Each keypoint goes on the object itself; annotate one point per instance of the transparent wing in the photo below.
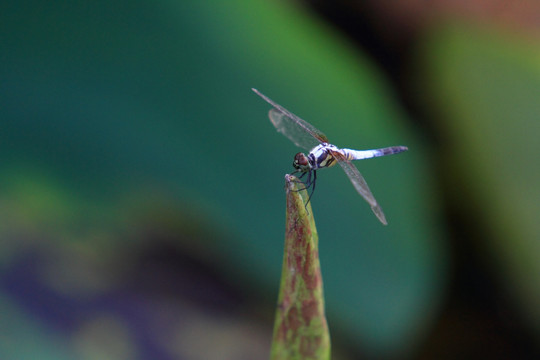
(292, 129)
(299, 131)
(360, 185)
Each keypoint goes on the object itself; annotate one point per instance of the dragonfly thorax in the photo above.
(318, 157)
(321, 157)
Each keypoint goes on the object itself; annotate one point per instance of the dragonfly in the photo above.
(322, 154)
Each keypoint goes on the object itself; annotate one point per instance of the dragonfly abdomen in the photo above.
(351, 154)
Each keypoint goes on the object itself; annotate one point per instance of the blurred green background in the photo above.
(141, 183)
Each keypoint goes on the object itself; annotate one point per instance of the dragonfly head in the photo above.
(301, 162)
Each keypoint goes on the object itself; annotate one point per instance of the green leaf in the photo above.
(300, 329)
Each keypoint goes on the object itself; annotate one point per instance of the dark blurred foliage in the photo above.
(141, 183)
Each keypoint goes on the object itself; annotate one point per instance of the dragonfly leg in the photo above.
(309, 183)
(306, 184)
(312, 185)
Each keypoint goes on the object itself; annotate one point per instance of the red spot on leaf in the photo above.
(309, 345)
(293, 320)
(310, 310)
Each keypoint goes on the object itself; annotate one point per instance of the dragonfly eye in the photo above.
(301, 162)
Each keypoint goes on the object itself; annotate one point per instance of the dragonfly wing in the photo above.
(293, 130)
(299, 131)
(360, 185)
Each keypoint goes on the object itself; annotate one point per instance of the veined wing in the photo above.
(360, 185)
(299, 131)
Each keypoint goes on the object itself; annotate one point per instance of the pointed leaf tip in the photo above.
(300, 329)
